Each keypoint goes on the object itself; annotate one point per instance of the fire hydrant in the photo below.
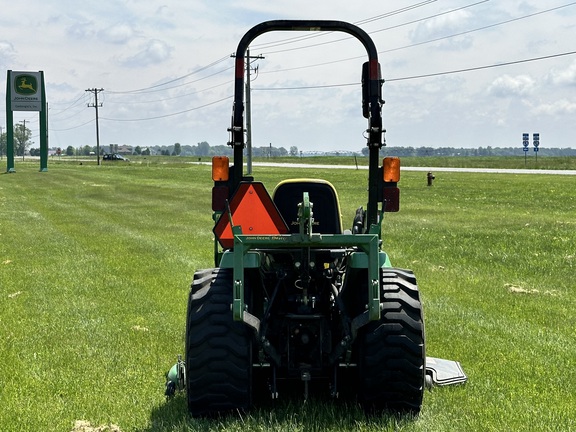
(430, 177)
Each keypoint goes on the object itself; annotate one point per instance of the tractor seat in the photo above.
(326, 210)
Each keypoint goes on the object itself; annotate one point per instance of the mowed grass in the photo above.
(95, 264)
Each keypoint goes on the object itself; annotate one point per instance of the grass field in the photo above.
(95, 264)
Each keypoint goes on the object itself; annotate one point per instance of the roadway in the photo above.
(423, 169)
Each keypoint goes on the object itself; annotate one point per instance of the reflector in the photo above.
(391, 169)
(391, 198)
(219, 197)
(254, 211)
(220, 168)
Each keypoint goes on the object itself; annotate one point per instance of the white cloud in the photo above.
(556, 108)
(442, 26)
(507, 86)
(117, 34)
(7, 54)
(80, 30)
(153, 52)
(565, 76)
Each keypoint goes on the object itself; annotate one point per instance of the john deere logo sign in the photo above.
(25, 84)
(26, 91)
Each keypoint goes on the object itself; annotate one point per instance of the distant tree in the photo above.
(2, 144)
(221, 150)
(69, 151)
(177, 149)
(293, 151)
(203, 149)
(424, 151)
(137, 150)
(21, 139)
(86, 150)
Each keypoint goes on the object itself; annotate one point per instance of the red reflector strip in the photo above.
(391, 199)
(374, 70)
(239, 68)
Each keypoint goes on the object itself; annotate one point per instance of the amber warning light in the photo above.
(390, 191)
(391, 169)
(220, 168)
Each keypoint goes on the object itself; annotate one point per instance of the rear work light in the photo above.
(220, 168)
(391, 169)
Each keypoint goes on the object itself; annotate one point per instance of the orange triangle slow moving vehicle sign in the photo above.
(252, 209)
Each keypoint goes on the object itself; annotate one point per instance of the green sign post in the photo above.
(25, 91)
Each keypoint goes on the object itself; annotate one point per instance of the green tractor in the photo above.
(296, 299)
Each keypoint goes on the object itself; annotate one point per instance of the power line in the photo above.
(383, 29)
(483, 67)
(228, 83)
(220, 60)
(424, 42)
(145, 89)
(162, 86)
(169, 115)
(296, 39)
(470, 69)
(311, 87)
(173, 87)
(71, 105)
(480, 28)
(74, 127)
(73, 115)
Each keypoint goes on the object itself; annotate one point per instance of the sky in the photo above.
(458, 73)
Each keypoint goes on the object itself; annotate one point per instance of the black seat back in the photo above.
(326, 210)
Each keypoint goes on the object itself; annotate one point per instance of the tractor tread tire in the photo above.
(218, 349)
(392, 350)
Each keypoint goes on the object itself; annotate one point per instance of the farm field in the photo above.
(96, 262)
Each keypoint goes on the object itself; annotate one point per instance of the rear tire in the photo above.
(391, 357)
(218, 349)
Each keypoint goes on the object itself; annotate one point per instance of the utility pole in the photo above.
(249, 110)
(95, 91)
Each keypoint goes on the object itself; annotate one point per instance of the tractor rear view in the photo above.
(296, 297)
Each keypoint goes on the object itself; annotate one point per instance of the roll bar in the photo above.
(371, 85)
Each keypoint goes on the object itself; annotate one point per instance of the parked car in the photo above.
(115, 156)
